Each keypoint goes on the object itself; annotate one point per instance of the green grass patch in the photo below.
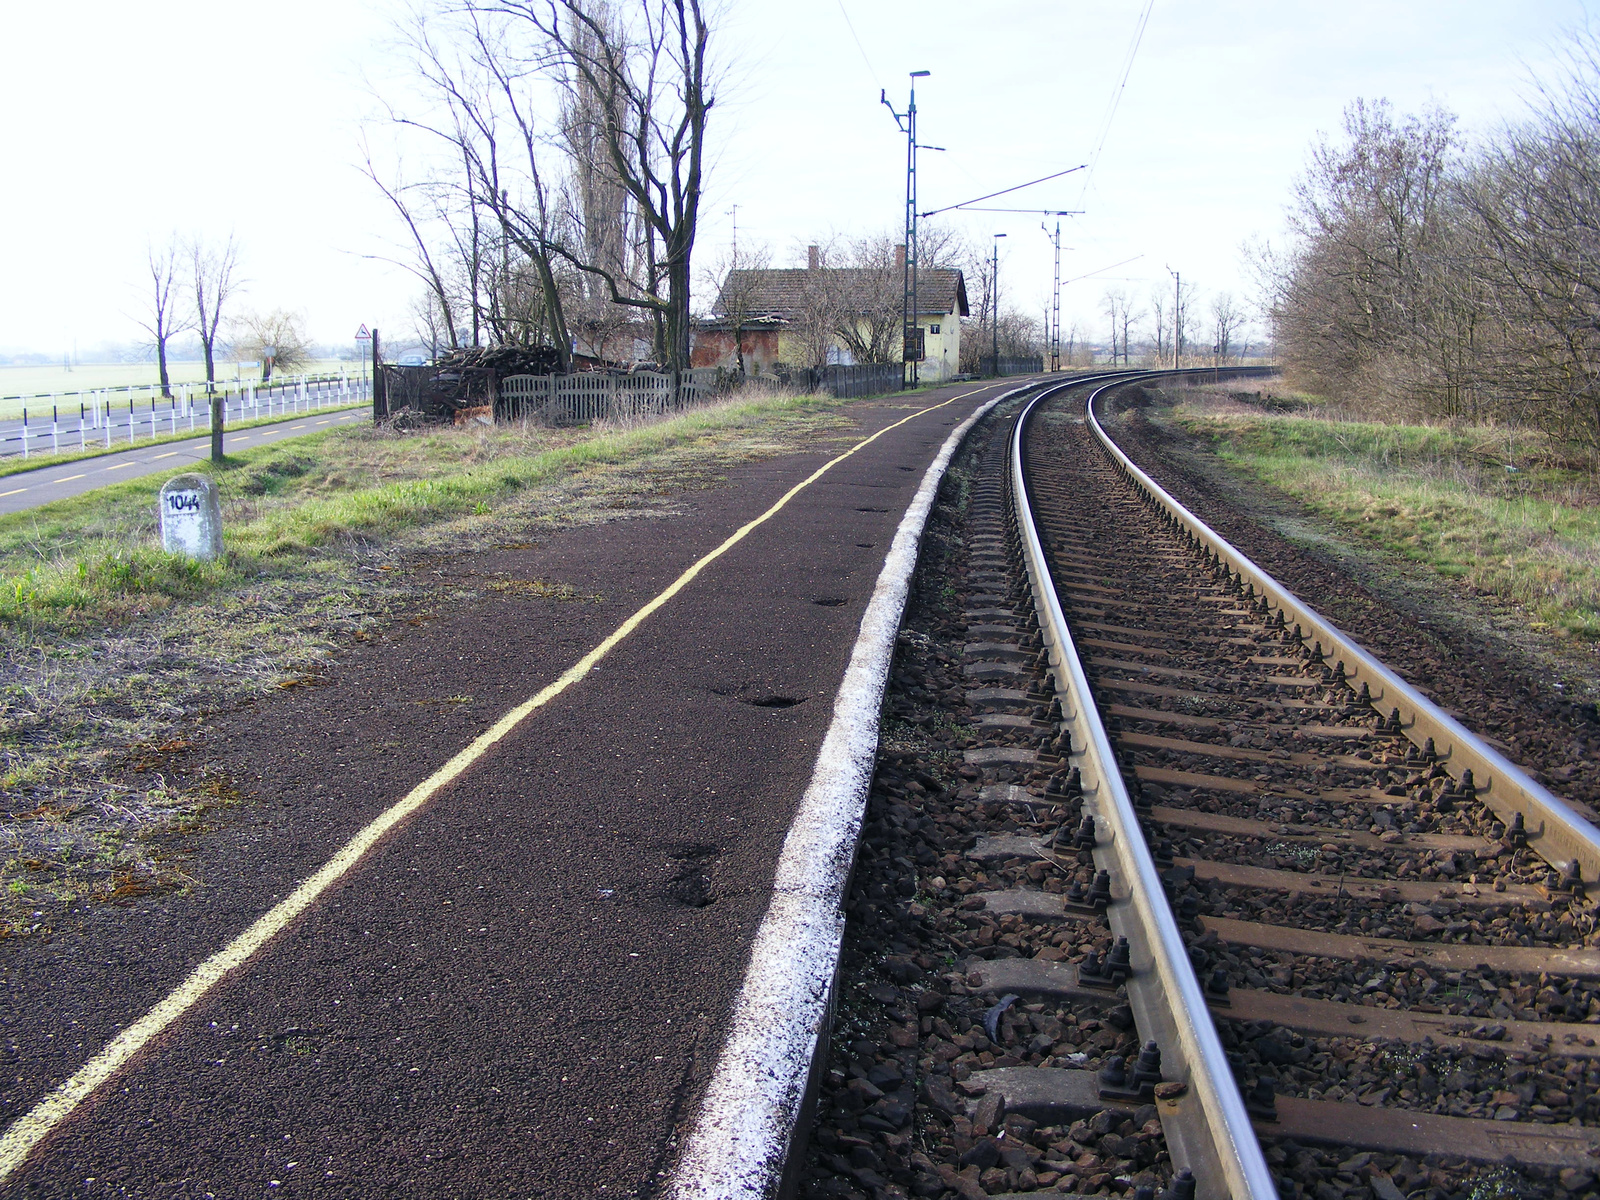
(94, 559)
(1507, 513)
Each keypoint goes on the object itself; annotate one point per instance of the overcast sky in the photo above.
(128, 122)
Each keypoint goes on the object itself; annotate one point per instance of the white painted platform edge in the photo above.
(738, 1144)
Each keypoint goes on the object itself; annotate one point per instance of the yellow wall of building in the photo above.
(942, 349)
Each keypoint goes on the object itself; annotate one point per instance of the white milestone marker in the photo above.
(191, 518)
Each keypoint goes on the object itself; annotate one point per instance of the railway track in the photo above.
(1167, 886)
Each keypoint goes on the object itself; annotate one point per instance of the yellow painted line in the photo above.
(329, 419)
(13, 491)
(119, 466)
(63, 479)
(241, 437)
(29, 1129)
(297, 427)
(168, 454)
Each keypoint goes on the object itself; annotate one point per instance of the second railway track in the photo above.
(1359, 956)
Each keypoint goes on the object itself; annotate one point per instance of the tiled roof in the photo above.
(781, 293)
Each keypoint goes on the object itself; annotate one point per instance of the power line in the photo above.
(851, 27)
(1004, 191)
(1116, 96)
(1097, 271)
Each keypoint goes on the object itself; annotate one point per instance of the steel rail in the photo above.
(1555, 830)
(744, 1141)
(1207, 1128)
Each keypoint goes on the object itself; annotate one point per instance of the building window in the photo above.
(933, 329)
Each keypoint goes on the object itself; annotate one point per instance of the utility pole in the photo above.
(1177, 316)
(994, 322)
(1055, 308)
(734, 212)
(910, 328)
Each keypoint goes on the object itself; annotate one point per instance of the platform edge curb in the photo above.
(738, 1143)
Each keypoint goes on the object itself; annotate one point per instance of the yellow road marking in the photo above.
(119, 466)
(63, 479)
(325, 422)
(29, 1129)
(241, 437)
(13, 491)
(168, 454)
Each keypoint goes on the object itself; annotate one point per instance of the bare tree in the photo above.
(276, 338)
(164, 315)
(872, 300)
(737, 278)
(1021, 334)
(605, 189)
(1114, 302)
(424, 260)
(1356, 300)
(602, 211)
(977, 334)
(492, 170)
(1130, 316)
(1535, 203)
(1160, 323)
(214, 271)
(1227, 318)
(821, 311)
(645, 79)
(429, 323)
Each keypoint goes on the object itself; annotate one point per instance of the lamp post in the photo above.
(994, 317)
(910, 329)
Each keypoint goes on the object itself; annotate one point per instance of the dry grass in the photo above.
(111, 651)
(1506, 512)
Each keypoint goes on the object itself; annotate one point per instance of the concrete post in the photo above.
(191, 517)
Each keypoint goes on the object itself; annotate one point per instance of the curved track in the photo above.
(1367, 897)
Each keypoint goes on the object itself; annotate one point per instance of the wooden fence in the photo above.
(599, 396)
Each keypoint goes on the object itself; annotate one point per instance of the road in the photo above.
(170, 415)
(29, 489)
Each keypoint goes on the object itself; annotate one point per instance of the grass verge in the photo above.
(1507, 513)
(111, 651)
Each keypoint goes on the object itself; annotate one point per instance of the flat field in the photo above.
(44, 381)
(1505, 513)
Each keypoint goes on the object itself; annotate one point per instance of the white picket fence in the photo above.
(102, 420)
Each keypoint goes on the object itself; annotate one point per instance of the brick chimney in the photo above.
(813, 257)
(900, 257)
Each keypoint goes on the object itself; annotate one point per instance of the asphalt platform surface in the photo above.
(521, 991)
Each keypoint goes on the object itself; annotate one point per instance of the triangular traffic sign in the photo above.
(362, 334)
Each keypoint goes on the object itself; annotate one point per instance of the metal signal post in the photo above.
(994, 315)
(910, 328)
(1054, 332)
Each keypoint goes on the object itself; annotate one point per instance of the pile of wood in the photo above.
(503, 360)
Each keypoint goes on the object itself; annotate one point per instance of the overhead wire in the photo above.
(1115, 99)
(850, 25)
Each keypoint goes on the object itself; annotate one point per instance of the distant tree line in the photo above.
(1428, 278)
